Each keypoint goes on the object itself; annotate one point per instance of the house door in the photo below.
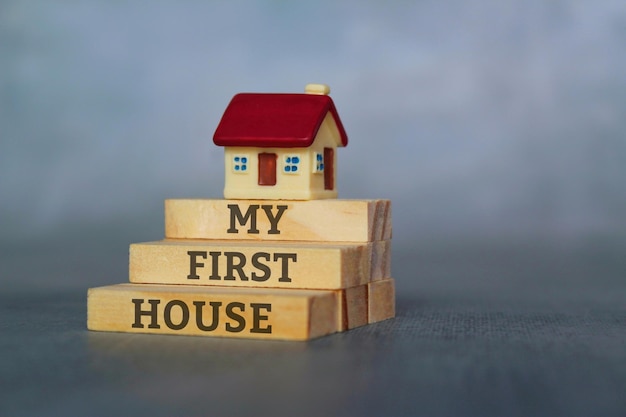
(267, 169)
(329, 169)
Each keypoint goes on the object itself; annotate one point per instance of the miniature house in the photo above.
(281, 146)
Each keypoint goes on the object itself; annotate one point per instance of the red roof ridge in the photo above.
(281, 120)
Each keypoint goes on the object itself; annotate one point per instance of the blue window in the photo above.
(318, 163)
(240, 164)
(292, 164)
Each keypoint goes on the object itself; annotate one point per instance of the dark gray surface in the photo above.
(525, 328)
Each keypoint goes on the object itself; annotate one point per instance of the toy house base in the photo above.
(294, 194)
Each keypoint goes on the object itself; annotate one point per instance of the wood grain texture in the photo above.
(302, 265)
(223, 312)
(353, 307)
(380, 261)
(381, 300)
(314, 220)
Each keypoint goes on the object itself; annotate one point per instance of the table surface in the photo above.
(522, 328)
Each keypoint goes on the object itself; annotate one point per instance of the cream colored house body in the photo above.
(280, 146)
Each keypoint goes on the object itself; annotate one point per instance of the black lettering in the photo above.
(215, 265)
(261, 266)
(285, 264)
(238, 318)
(231, 266)
(257, 317)
(273, 219)
(215, 315)
(152, 313)
(167, 314)
(193, 263)
(235, 214)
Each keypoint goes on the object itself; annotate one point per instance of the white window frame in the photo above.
(318, 163)
(241, 161)
(289, 164)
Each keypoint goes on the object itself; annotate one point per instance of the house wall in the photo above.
(327, 137)
(304, 185)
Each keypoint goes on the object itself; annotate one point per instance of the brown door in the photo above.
(329, 169)
(267, 169)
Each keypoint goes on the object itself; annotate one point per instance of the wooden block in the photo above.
(381, 300)
(380, 261)
(303, 265)
(225, 312)
(353, 307)
(314, 220)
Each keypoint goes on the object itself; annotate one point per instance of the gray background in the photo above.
(496, 128)
(476, 118)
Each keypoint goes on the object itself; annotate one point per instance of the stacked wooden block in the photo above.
(269, 269)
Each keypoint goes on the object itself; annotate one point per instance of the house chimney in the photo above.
(319, 89)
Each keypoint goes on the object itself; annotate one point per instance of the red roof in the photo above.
(275, 120)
